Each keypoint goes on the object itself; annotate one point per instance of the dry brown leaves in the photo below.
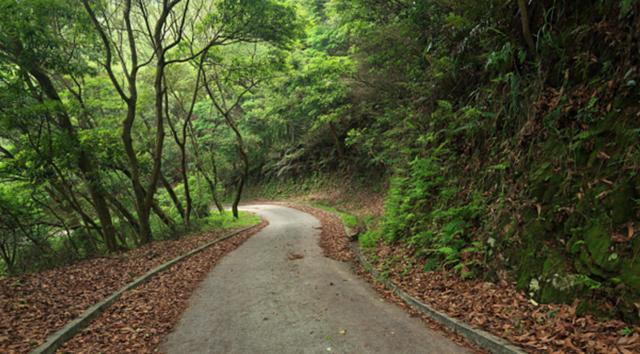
(436, 326)
(36, 305)
(335, 245)
(496, 308)
(506, 312)
(358, 202)
(294, 256)
(139, 320)
(333, 240)
(343, 194)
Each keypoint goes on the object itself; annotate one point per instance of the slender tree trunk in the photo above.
(85, 164)
(142, 206)
(212, 183)
(213, 190)
(173, 196)
(125, 214)
(187, 188)
(245, 165)
(214, 194)
(72, 203)
(182, 146)
(225, 110)
(60, 219)
(7, 251)
(526, 28)
(216, 200)
(134, 168)
(241, 182)
(102, 210)
(163, 216)
(43, 247)
(160, 133)
(336, 140)
(134, 176)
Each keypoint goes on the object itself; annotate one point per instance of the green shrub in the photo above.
(369, 239)
(227, 221)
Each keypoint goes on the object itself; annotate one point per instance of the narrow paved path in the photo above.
(261, 298)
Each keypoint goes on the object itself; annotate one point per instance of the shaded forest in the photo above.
(504, 133)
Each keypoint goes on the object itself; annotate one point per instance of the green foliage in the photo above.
(370, 238)
(421, 210)
(250, 20)
(227, 221)
(349, 220)
(68, 189)
(37, 32)
(627, 331)
(499, 157)
(500, 154)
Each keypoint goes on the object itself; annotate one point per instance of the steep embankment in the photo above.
(497, 307)
(524, 158)
(510, 132)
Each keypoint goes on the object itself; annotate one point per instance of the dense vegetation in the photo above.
(110, 114)
(508, 130)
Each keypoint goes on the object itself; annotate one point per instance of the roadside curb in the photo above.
(57, 339)
(481, 338)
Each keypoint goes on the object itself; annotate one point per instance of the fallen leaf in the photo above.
(294, 256)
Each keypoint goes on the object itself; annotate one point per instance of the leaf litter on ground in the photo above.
(498, 308)
(140, 320)
(34, 306)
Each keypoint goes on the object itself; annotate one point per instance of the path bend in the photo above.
(277, 293)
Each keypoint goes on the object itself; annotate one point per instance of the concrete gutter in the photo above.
(57, 339)
(481, 338)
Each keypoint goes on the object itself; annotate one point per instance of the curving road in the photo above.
(264, 298)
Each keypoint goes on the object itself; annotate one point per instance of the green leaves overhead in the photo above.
(44, 33)
(250, 20)
(86, 99)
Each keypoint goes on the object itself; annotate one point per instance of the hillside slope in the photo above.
(509, 133)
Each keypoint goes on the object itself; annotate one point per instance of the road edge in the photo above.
(58, 338)
(479, 337)
(483, 339)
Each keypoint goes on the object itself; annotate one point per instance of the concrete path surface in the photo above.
(264, 298)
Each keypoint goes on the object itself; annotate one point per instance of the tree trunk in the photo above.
(173, 196)
(526, 28)
(160, 134)
(163, 216)
(211, 183)
(213, 190)
(127, 215)
(241, 182)
(182, 146)
(142, 206)
(245, 166)
(85, 164)
(134, 167)
(215, 186)
(336, 141)
(187, 189)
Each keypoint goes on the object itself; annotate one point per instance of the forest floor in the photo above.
(34, 306)
(498, 308)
